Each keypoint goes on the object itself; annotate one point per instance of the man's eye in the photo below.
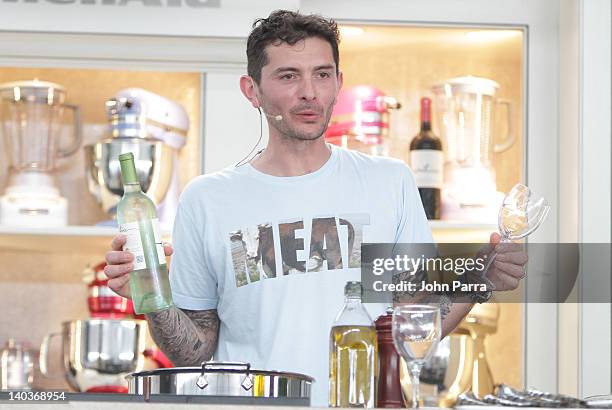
(324, 74)
(287, 76)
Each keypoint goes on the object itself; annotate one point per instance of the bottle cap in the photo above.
(126, 156)
(353, 289)
(426, 110)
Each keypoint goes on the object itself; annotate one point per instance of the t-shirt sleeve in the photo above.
(193, 284)
(413, 226)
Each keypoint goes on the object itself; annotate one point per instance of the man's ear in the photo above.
(247, 86)
(340, 82)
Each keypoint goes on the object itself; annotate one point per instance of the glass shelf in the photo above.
(98, 238)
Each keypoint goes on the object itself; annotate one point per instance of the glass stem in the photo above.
(415, 372)
(493, 255)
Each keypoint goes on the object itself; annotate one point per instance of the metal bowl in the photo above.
(98, 352)
(154, 165)
(220, 379)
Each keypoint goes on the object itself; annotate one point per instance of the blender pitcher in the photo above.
(31, 117)
(465, 117)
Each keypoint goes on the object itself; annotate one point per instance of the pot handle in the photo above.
(43, 358)
(510, 137)
(247, 382)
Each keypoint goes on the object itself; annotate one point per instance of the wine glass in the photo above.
(416, 333)
(520, 215)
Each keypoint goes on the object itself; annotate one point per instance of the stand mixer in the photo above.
(32, 121)
(360, 119)
(154, 128)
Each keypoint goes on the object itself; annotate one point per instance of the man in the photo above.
(263, 250)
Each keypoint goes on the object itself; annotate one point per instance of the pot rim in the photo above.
(198, 370)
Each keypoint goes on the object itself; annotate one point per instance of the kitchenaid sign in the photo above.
(143, 3)
(201, 18)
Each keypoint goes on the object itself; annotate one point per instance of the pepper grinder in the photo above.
(389, 393)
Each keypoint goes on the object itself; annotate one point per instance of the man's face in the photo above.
(300, 83)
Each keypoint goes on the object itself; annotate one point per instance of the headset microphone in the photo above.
(277, 117)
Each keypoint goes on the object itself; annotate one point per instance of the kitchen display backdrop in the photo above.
(403, 62)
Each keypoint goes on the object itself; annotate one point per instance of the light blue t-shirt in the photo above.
(272, 254)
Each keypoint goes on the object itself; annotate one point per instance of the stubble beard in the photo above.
(291, 133)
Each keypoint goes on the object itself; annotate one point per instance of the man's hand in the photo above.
(119, 265)
(508, 268)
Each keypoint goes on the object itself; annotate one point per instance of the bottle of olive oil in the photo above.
(137, 218)
(353, 356)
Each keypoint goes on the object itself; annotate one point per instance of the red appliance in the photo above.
(108, 389)
(360, 119)
(102, 301)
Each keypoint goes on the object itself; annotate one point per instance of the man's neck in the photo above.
(289, 158)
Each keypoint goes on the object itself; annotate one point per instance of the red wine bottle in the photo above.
(426, 160)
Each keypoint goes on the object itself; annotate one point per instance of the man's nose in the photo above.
(307, 89)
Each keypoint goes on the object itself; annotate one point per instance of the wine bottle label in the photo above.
(427, 166)
(134, 243)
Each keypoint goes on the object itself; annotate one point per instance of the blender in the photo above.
(32, 123)
(154, 129)
(465, 117)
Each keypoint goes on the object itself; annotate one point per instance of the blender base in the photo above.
(33, 211)
(33, 201)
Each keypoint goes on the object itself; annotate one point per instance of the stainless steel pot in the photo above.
(98, 352)
(220, 379)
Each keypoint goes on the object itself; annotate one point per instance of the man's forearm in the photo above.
(187, 337)
(457, 312)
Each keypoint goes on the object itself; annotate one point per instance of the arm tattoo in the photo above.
(187, 337)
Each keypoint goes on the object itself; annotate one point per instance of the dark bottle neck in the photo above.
(425, 126)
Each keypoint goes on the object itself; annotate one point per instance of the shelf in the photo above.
(457, 231)
(85, 239)
(92, 239)
(68, 231)
(461, 226)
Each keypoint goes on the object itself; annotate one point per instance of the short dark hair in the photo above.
(283, 26)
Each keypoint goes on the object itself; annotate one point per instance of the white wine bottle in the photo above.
(353, 354)
(137, 218)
